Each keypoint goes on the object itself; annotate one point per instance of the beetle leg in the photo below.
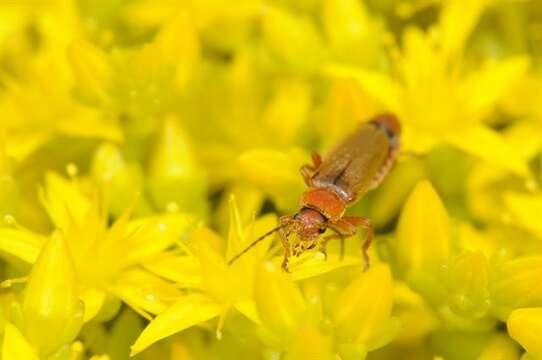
(316, 160)
(326, 239)
(349, 224)
(283, 236)
(307, 171)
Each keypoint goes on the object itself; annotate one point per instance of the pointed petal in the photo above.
(91, 69)
(294, 39)
(526, 210)
(423, 232)
(457, 20)
(143, 291)
(525, 326)
(248, 308)
(311, 265)
(378, 85)
(517, 284)
(488, 85)
(184, 270)
(363, 311)
(191, 310)
(279, 301)
(489, 146)
(63, 199)
(16, 346)
(93, 300)
(20, 244)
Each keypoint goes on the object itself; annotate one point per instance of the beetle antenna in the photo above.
(255, 242)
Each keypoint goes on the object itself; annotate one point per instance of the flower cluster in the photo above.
(145, 143)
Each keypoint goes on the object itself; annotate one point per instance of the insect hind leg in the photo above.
(350, 224)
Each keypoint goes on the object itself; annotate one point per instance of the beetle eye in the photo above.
(322, 230)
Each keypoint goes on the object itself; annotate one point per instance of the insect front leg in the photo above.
(284, 232)
(325, 240)
(350, 224)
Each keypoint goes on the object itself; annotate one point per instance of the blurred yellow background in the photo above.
(145, 142)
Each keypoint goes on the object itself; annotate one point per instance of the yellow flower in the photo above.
(437, 99)
(359, 321)
(217, 286)
(105, 258)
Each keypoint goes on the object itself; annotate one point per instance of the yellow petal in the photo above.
(314, 264)
(152, 235)
(362, 313)
(52, 311)
(248, 308)
(16, 346)
(525, 326)
(486, 86)
(457, 20)
(344, 21)
(294, 39)
(21, 244)
(93, 300)
(489, 146)
(191, 310)
(286, 185)
(279, 301)
(144, 292)
(182, 269)
(526, 210)
(64, 200)
(500, 347)
(91, 69)
(310, 344)
(180, 44)
(379, 86)
(517, 284)
(288, 112)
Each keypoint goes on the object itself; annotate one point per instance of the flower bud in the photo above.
(53, 314)
(279, 301)
(362, 313)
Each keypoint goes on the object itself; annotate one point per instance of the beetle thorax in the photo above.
(325, 201)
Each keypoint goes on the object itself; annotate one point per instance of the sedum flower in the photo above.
(438, 100)
(216, 288)
(106, 258)
(358, 323)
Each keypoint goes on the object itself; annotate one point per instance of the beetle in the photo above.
(355, 166)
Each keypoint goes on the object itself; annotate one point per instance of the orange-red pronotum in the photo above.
(356, 165)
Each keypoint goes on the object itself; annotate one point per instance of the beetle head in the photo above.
(308, 225)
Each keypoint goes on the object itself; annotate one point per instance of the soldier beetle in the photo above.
(355, 166)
